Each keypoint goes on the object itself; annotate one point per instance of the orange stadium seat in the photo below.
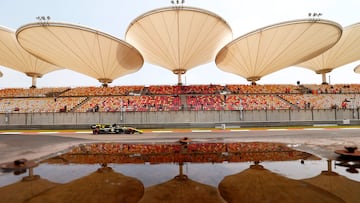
(174, 98)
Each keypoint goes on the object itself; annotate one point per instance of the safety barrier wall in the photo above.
(168, 117)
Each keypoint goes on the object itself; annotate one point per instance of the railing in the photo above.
(163, 118)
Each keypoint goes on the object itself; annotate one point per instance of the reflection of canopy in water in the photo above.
(275, 47)
(25, 189)
(104, 185)
(15, 57)
(258, 184)
(345, 51)
(347, 189)
(28, 187)
(179, 38)
(81, 49)
(181, 189)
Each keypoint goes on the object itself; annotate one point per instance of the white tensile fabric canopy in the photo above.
(81, 49)
(357, 69)
(15, 57)
(346, 50)
(178, 38)
(269, 49)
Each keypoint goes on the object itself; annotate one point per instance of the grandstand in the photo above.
(251, 56)
(178, 106)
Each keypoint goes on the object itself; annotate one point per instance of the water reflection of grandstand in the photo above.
(198, 152)
(176, 98)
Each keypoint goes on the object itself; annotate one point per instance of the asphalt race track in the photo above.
(39, 145)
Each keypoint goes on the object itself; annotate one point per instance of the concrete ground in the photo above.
(39, 145)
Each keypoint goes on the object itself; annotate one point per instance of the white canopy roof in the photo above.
(269, 49)
(178, 38)
(357, 69)
(15, 57)
(81, 49)
(346, 50)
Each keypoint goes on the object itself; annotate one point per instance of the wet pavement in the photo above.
(318, 141)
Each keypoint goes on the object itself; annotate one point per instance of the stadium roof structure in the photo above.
(81, 49)
(15, 57)
(357, 69)
(345, 51)
(178, 38)
(275, 47)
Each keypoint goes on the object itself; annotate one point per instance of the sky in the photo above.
(114, 16)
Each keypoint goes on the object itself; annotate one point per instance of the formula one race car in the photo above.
(114, 129)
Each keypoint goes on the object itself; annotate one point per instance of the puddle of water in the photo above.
(207, 173)
(206, 163)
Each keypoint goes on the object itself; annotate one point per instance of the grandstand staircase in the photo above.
(183, 101)
(302, 89)
(79, 104)
(293, 106)
(55, 93)
(144, 91)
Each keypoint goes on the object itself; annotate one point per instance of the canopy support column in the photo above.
(253, 79)
(324, 82)
(323, 75)
(105, 81)
(33, 82)
(179, 72)
(329, 165)
(34, 77)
